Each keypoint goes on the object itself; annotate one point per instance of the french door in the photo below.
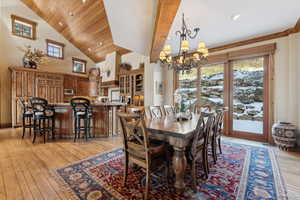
(243, 87)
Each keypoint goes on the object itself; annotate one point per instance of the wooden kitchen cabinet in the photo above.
(27, 83)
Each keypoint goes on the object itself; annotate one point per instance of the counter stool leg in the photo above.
(53, 127)
(86, 129)
(30, 125)
(44, 130)
(34, 131)
(23, 127)
(75, 129)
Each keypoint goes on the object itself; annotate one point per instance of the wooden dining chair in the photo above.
(199, 146)
(140, 149)
(215, 139)
(200, 108)
(155, 111)
(169, 110)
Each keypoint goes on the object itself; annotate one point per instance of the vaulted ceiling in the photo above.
(99, 27)
(84, 24)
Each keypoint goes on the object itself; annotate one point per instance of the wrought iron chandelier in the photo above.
(183, 61)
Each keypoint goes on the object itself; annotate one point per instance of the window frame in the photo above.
(79, 60)
(33, 25)
(62, 45)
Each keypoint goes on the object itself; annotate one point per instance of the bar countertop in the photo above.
(92, 104)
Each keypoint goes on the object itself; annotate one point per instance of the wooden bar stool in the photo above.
(27, 116)
(82, 112)
(43, 115)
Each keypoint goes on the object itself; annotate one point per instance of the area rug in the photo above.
(242, 172)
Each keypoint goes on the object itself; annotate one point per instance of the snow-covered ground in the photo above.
(248, 126)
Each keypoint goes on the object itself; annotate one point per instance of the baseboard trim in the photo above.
(6, 125)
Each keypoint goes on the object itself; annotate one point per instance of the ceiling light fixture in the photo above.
(83, 1)
(182, 61)
(235, 17)
(60, 23)
(100, 44)
(89, 49)
(71, 14)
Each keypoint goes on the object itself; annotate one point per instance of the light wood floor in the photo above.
(25, 169)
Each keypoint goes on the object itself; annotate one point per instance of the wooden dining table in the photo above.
(178, 134)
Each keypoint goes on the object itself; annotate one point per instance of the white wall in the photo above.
(286, 78)
(10, 55)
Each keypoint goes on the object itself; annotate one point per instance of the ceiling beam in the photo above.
(166, 12)
(297, 26)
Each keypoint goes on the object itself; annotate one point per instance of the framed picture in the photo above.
(79, 66)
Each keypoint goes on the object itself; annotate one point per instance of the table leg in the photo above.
(179, 166)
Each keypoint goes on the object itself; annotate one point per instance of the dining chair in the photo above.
(139, 149)
(43, 115)
(199, 146)
(155, 111)
(82, 110)
(215, 140)
(201, 108)
(147, 113)
(169, 110)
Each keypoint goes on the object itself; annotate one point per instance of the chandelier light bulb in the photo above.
(185, 45)
(167, 49)
(196, 56)
(162, 55)
(201, 45)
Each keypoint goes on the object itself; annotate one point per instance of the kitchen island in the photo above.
(104, 121)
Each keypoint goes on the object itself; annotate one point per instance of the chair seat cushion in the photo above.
(82, 113)
(44, 114)
(156, 148)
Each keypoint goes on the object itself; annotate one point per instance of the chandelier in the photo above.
(183, 61)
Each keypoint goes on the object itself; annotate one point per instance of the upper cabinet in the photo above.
(132, 86)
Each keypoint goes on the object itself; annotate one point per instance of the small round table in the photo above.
(284, 135)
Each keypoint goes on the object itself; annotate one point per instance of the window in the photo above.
(79, 66)
(55, 49)
(187, 83)
(23, 27)
(212, 85)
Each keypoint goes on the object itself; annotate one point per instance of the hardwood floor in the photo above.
(25, 169)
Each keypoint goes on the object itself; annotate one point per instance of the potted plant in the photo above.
(33, 58)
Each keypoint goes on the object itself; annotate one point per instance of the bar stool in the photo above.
(42, 113)
(82, 112)
(27, 116)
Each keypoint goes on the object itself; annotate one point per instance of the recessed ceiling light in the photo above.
(235, 17)
(83, 1)
(89, 49)
(61, 24)
(100, 43)
(71, 14)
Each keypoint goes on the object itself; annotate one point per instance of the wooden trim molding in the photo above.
(27, 21)
(110, 83)
(62, 45)
(6, 125)
(242, 54)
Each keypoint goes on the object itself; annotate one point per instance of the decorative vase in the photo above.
(29, 63)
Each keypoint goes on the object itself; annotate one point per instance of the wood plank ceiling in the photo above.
(85, 25)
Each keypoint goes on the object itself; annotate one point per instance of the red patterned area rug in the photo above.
(241, 172)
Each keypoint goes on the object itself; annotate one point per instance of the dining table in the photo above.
(178, 134)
